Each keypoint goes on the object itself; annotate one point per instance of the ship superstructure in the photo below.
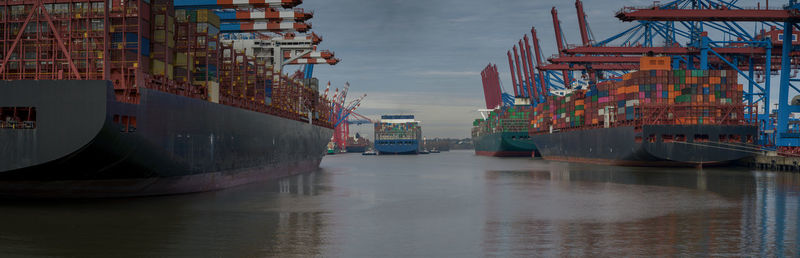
(398, 134)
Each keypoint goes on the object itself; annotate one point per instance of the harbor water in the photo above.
(451, 204)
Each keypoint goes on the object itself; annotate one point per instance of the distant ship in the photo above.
(503, 130)
(398, 134)
(357, 144)
(504, 133)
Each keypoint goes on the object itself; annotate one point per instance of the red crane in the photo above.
(491, 87)
(582, 22)
(531, 69)
(722, 14)
(560, 43)
(342, 111)
(531, 94)
(538, 53)
(519, 73)
(513, 79)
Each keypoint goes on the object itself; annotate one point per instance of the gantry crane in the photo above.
(341, 112)
(683, 27)
(492, 91)
(754, 55)
(755, 51)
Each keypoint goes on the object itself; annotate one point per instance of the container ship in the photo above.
(398, 134)
(504, 134)
(149, 100)
(504, 131)
(652, 117)
(357, 144)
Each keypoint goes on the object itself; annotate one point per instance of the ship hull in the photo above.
(86, 144)
(653, 145)
(356, 148)
(384, 147)
(504, 144)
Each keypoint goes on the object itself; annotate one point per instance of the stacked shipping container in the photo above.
(684, 97)
(397, 131)
(144, 44)
(512, 119)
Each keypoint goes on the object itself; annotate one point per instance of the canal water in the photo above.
(451, 204)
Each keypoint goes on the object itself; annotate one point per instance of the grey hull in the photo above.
(81, 146)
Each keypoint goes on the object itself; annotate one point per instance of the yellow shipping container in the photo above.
(207, 16)
(159, 36)
(181, 59)
(180, 15)
(170, 24)
(157, 67)
(171, 39)
(159, 20)
(170, 73)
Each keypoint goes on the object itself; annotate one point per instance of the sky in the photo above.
(424, 57)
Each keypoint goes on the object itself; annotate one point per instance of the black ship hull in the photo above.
(87, 144)
(653, 145)
(504, 144)
(356, 148)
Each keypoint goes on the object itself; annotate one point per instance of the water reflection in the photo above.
(251, 221)
(444, 205)
(581, 210)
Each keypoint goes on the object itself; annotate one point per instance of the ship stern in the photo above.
(44, 121)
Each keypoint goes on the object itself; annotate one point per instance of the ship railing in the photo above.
(695, 114)
(671, 114)
(18, 125)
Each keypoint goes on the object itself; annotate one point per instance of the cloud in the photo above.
(464, 19)
(449, 73)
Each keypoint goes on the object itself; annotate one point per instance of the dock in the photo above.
(772, 161)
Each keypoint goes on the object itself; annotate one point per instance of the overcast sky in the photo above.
(424, 57)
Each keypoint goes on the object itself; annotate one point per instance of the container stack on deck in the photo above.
(512, 119)
(197, 37)
(398, 134)
(145, 44)
(695, 97)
